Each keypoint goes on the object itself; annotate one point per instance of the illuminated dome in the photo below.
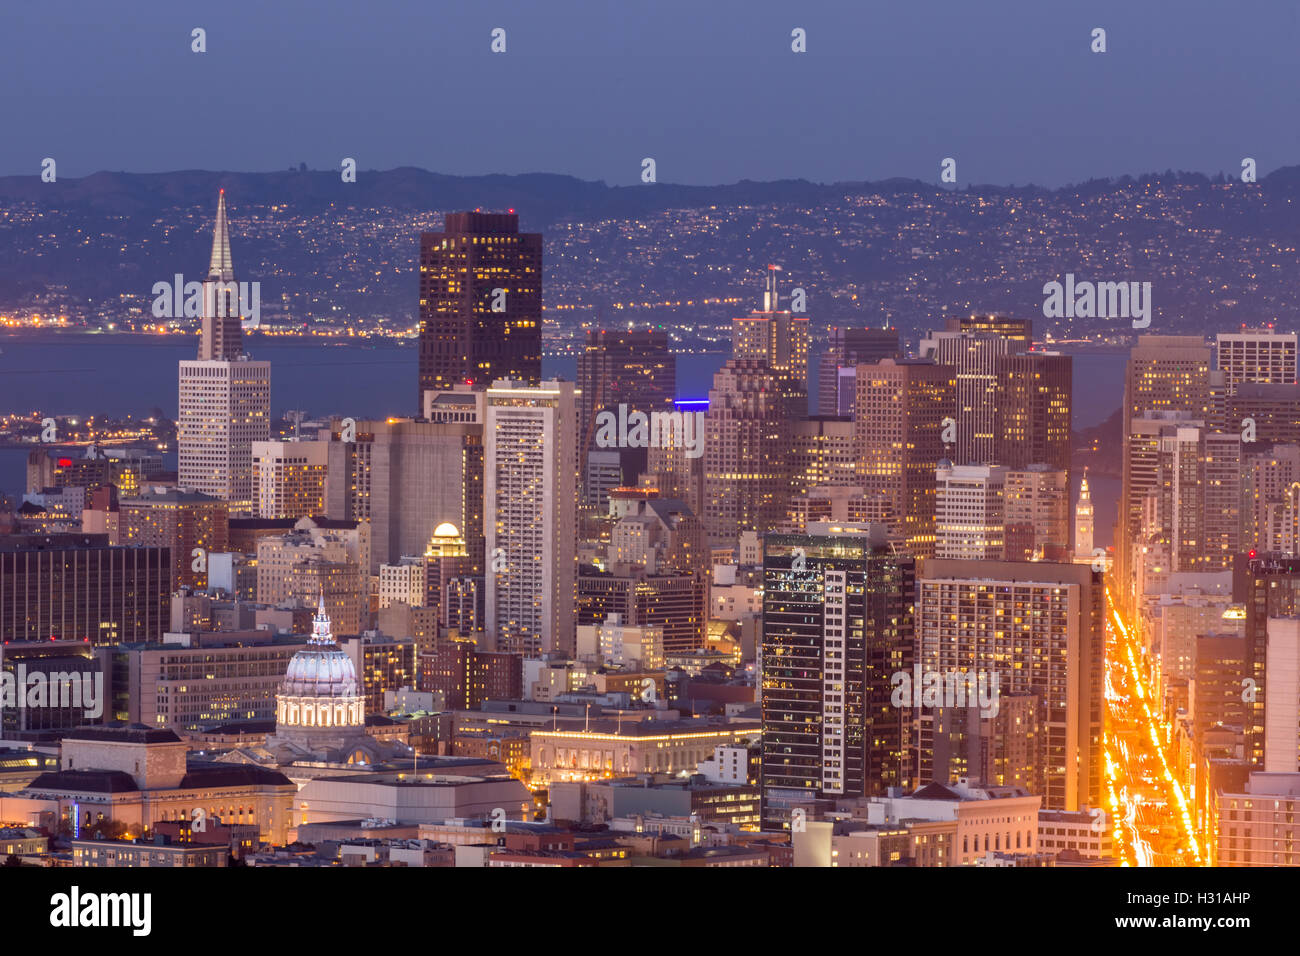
(446, 530)
(319, 689)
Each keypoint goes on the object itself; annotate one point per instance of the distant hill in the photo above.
(902, 252)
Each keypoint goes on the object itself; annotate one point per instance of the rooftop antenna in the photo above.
(771, 298)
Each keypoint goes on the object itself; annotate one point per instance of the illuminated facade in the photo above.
(290, 478)
(837, 623)
(532, 504)
(900, 429)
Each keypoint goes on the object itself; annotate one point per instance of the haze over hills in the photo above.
(1219, 253)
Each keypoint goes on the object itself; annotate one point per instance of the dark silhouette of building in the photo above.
(480, 303)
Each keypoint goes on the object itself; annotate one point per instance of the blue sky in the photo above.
(710, 88)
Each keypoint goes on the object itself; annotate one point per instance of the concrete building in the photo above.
(290, 478)
(531, 490)
(969, 511)
(900, 421)
(1048, 618)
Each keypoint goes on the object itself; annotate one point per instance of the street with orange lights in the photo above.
(1149, 811)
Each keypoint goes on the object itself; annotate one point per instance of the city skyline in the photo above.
(558, 509)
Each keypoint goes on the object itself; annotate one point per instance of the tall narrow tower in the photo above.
(1083, 521)
(225, 399)
(221, 336)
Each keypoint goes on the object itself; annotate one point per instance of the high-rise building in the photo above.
(1266, 480)
(480, 303)
(837, 625)
(1020, 332)
(1215, 697)
(976, 358)
(970, 511)
(191, 525)
(846, 349)
(1033, 414)
(676, 603)
(746, 452)
(290, 478)
(1165, 374)
(823, 452)
(623, 367)
(1282, 704)
(531, 494)
(777, 338)
(1083, 521)
(466, 677)
(1036, 513)
(406, 477)
(899, 423)
(1263, 413)
(1257, 355)
(1268, 585)
(1040, 627)
(225, 398)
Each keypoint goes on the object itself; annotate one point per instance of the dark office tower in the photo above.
(899, 430)
(837, 625)
(777, 338)
(221, 336)
(1219, 669)
(846, 349)
(747, 436)
(480, 302)
(1269, 586)
(1166, 373)
(632, 368)
(79, 587)
(1033, 410)
(1019, 331)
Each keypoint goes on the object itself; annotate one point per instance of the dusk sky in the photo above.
(710, 90)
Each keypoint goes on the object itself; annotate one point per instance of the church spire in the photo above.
(221, 267)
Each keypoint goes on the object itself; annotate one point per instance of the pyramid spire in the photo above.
(221, 267)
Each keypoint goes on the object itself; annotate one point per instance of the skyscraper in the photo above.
(976, 360)
(480, 303)
(1257, 355)
(1033, 410)
(407, 477)
(1040, 627)
(531, 493)
(225, 398)
(628, 367)
(899, 423)
(970, 511)
(837, 625)
(1165, 374)
(747, 436)
(777, 338)
(847, 348)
